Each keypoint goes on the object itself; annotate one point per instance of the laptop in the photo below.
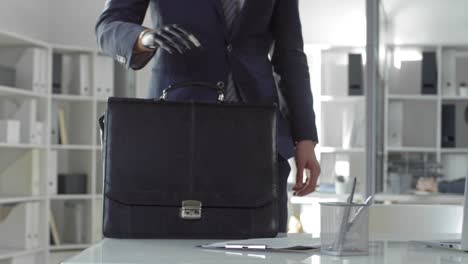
(461, 245)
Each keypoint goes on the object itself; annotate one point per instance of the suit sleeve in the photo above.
(118, 28)
(290, 64)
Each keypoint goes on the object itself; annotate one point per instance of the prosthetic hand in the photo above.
(171, 38)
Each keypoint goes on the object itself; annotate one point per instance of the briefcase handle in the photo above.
(219, 88)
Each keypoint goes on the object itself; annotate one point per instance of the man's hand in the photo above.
(171, 38)
(305, 159)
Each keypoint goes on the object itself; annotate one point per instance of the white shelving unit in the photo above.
(340, 117)
(81, 155)
(420, 119)
(418, 137)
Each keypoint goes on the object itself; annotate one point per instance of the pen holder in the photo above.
(344, 229)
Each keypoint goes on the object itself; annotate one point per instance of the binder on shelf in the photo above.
(26, 112)
(53, 173)
(104, 77)
(36, 219)
(395, 124)
(75, 219)
(358, 132)
(72, 183)
(67, 72)
(42, 84)
(97, 227)
(334, 74)
(31, 70)
(124, 81)
(429, 73)
(57, 73)
(38, 133)
(407, 79)
(81, 75)
(10, 131)
(54, 122)
(461, 126)
(7, 76)
(19, 226)
(22, 176)
(63, 133)
(461, 74)
(54, 234)
(353, 126)
(355, 77)
(448, 126)
(348, 123)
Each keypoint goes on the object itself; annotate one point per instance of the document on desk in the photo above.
(294, 242)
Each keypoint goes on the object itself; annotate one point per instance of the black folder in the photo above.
(355, 83)
(448, 126)
(429, 73)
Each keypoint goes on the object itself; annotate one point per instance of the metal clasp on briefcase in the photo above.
(191, 210)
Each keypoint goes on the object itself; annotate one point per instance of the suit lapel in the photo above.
(238, 21)
(222, 18)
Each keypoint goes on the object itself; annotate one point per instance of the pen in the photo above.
(238, 246)
(344, 222)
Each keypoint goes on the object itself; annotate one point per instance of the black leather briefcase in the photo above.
(189, 170)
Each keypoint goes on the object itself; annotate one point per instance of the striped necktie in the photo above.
(231, 11)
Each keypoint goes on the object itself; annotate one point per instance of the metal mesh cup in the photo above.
(344, 229)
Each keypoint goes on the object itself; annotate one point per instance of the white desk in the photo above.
(184, 251)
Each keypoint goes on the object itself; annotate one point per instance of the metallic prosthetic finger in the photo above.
(180, 37)
(170, 41)
(162, 45)
(189, 36)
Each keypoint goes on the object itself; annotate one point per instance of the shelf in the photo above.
(72, 147)
(313, 197)
(12, 253)
(455, 97)
(70, 247)
(57, 48)
(411, 149)
(454, 150)
(341, 99)
(72, 97)
(420, 97)
(20, 199)
(21, 146)
(11, 91)
(420, 198)
(72, 197)
(13, 39)
(340, 150)
(101, 100)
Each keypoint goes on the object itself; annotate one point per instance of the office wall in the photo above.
(72, 22)
(25, 17)
(337, 22)
(341, 22)
(428, 21)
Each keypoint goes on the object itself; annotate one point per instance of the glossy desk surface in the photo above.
(185, 251)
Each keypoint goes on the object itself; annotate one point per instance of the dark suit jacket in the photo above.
(264, 27)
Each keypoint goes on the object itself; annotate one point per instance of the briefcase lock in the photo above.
(191, 210)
